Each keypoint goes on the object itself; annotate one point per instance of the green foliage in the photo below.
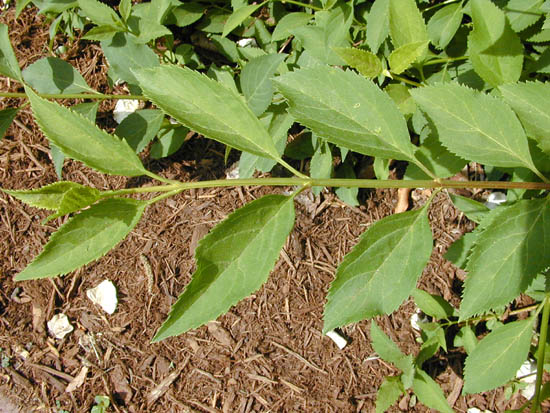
(435, 86)
(233, 261)
(85, 237)
(381, 271)
(498, 356)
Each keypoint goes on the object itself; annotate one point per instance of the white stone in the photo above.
(124, 108)
(495, 199)
(104, 295)
(59, 326)
(338, 339)
(247, 42)
(476, 410)
(416, 319)
(528, 371)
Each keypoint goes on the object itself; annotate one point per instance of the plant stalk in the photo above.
(542, 348)
(349, 183)
(99, 96)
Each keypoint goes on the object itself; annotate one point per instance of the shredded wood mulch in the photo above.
(267, 354)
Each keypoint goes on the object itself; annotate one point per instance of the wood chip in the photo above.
(292, 386)
(78, 380)
(120, 384)
(303, 360)
(162, 387)
(220, 334)
(402, 200)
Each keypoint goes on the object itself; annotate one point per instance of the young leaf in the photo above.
(125, 8)
(429, 393)
(474, 210)
(365, 62)
(51, 196)
(85, 237)
(378, 24)
(406, 23)
(288, 23)
(207, 107)
(433, 305)
(238, 16)
(53, 75)
(444, 24)
(169, 143)
(8, 62)
(381, 270)
(6, 118)
(389, 352)
(100, 14)
(348, 110)
(508, 254)
(475, 126)
(403, 57)
(82, 140)
(497, 357)
(101, 33)
(126, 55)
(529, 101)
(140, 127)
(256, 81)
(388, 393)
(233, 261)
(495, 50)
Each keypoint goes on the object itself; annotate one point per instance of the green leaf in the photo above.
(53, 75)
(100, 14)
(406, 23)
(185, 14)
(321, 164)
(378, 24)
(494, 49)
(195, 101)
(126, 55)
(429, 393)
(403, 57)
(6, 118)
(466, 338)
(346, 194)
(523, 13)
(85, 237)
(389, 352)
(169, 143)
(125, 8)
(20, 5)
(233, 261)
(530, 102)
(89, 111)
(508, 254)
(388, 393)
(365, 62)
(436, 158)
(277, 122)
(8, 62)
(82, 140)
(49, 196)
(497, 357)
(349, 111)
(238, 16)
(331, 30)
(444, 23)
(140, 127)
(288, 23)
(381, 271)
(101, 33)
(474, 210)
(460, 249)
(433, 305)
(475, 126)
(256, 81)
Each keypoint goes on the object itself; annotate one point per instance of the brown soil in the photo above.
(267, 354)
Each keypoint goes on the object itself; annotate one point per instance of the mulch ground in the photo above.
(267, 354)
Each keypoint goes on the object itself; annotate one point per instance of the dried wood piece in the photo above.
(162, 387)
